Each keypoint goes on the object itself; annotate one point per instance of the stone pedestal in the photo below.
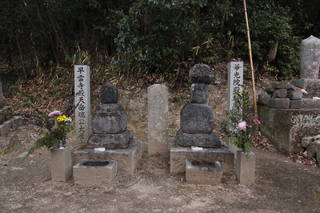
(203, 172)
(245, 167)
(179, 155)
(285, 128)
(95, 172)
(127, 159)
(61, 164)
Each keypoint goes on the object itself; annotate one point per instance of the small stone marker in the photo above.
(158, 119)
(235, 81)
(82, 101)
(310, 58)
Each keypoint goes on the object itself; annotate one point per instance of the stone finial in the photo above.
(109, 94)
(310, 58)
(201, 73)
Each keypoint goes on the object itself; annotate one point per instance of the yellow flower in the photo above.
(61, 118)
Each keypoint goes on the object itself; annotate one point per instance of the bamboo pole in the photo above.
(251, 61)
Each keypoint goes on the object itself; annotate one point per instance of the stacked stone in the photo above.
(196, 122)
(109, 123)
(283, 95)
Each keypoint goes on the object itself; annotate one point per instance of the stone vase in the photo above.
(245, 167)
(60, 164)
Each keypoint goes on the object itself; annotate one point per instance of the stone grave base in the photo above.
(95, 172)
(203, 173)
(127, 159)
(286, 128)
(179, 155)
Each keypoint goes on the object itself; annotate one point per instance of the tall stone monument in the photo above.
(158, 119)
(82, 102)
(309, 67)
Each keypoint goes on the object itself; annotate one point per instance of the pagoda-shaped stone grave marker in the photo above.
(111, 140)
(195, 147)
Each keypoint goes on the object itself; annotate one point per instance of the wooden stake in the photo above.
(251, 61)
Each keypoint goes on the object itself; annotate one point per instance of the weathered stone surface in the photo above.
(264, 98)
(270, 89)
(61, 164)
(245, 167)
(280, 85)
(201, 140)
(203, 172)
(295, 94)
(235, 82)
(312, 86)
(280, 93)
(111, 141)
(310, 103)
(109, 109)
(158, 119)
(179, 155)
(109, 94)
(82, 100)
(109, 122)
(285, 128)
(201, 73)
(95, 172)
(199, 93)
(127, 159)
(296, 104)
(280, 103)
(196, 118)
(310, 58)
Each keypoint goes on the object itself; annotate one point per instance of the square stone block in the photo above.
(127, 159)
(179, 155)
(203, 172)
(94, 172)
(61, 164)
(245, 167)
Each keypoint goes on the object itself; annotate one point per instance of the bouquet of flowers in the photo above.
(241, 124)
(58, 126)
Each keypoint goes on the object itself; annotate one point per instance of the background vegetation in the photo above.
(138, 37)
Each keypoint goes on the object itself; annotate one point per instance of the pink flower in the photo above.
(54, 113)
(249, 126)
(256, 121)
(242, 125)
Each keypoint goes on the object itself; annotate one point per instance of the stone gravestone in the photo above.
(196, 122)
(309, 67)
(310, 58)
(235, 81)
(109, 123)
(158, 119)
(82, 102)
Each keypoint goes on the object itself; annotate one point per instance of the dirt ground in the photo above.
(25, 186)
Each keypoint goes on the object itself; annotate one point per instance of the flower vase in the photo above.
(60, 164)
(245, 167)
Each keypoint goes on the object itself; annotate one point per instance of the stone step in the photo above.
(95, 172)
(11, 124)
(209, 173)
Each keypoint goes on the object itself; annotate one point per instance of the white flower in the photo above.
(242, 125)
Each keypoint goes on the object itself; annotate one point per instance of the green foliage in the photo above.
(58, 127)
(241, 125)
(152, 36)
